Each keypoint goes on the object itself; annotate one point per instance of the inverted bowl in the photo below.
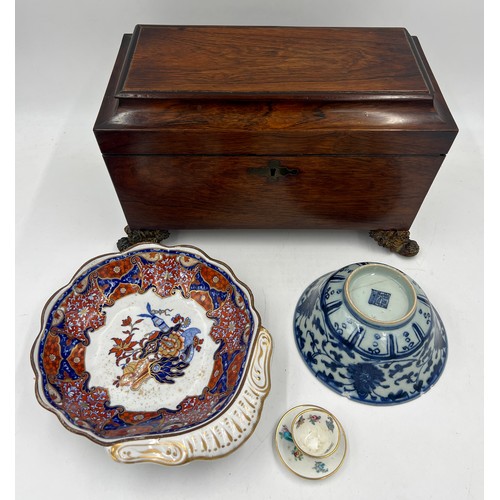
(369, 332)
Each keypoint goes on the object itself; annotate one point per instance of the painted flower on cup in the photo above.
(300, 421)
(329, 424)
(314, 418)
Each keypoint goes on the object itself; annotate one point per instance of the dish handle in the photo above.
(218, 437)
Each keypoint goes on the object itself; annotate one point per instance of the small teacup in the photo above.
(316, 432)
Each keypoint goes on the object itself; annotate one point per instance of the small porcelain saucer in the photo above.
(303, 465)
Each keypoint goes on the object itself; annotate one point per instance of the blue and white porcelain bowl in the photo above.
(369, 332)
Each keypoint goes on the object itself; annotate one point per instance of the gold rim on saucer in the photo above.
(341, 449)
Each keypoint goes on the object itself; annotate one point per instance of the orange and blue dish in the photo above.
(146, 351)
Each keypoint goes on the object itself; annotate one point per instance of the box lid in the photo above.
(236, 62)
(212, 90)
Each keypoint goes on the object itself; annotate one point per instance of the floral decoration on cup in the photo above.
(316, 432)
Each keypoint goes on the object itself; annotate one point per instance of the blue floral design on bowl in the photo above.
(369, 332)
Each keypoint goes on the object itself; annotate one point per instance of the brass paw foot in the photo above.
(141, 236)
(396, 241)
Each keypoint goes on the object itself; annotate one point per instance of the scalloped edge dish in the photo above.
(157, 353)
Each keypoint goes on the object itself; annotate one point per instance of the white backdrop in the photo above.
(67, 212)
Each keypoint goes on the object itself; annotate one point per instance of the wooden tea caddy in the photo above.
(208, 127)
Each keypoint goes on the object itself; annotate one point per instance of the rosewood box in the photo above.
(208, 127)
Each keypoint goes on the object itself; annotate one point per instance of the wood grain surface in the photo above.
(179, 192)
(253, 62)
(191, 114)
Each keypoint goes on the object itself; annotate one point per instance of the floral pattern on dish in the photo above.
(152, 345)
